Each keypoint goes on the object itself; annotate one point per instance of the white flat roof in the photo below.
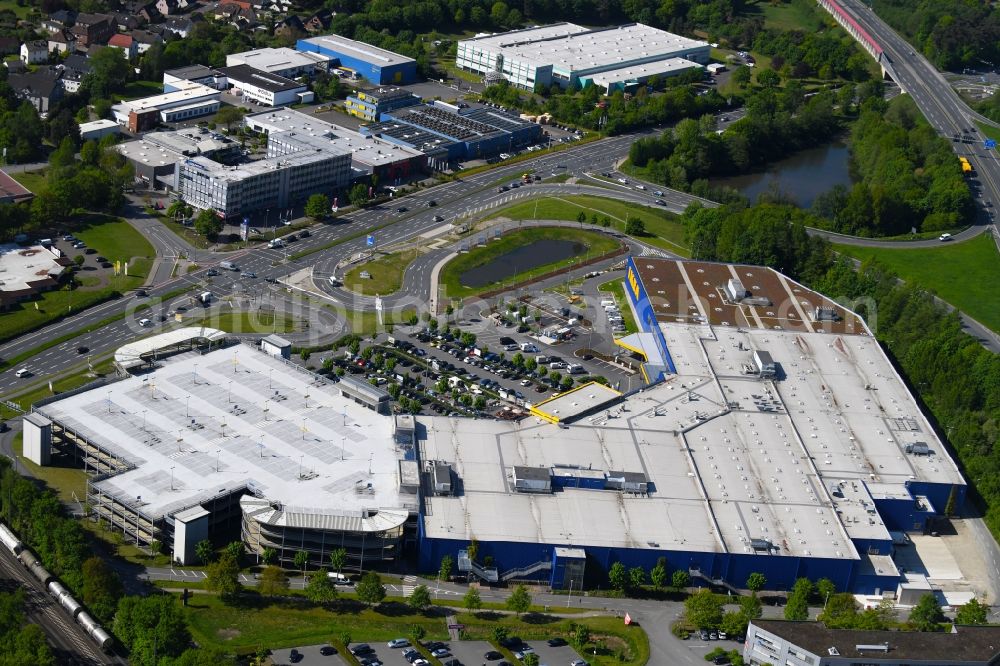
(570, 48)
(20, 267)
(187, 91)
(646, 70)
(277, 59)
(131, 355)
(94, 125)
(579, 400)
(359, 50)
(238, 416)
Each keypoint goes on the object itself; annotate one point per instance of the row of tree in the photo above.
(951, 33)
(60, 542)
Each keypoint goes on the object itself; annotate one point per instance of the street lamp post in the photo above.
(569, 599)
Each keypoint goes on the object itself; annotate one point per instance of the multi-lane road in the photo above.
(940, 104)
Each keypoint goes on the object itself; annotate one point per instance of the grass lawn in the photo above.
(365, 322)
(253, 621)
(386, 273)
(136, 89)
(617, 290)
(187, 233)
(608, 634)
(114, 238)
(21, 11)
(250, 322)
(33, 180)
(988, 131)
(793, 15)
(596, 244)
(65, 481)
(960, 273)
(662, 228)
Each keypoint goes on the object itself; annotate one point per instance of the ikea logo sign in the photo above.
(633, 283)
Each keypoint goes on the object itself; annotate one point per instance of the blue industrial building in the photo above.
(726, 479)
(364, 60)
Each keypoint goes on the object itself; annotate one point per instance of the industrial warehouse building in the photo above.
(812, 644)
(283, 61)
(377, 65)
(371, 104)
(569, 55)
(254, 85)
(717, 467)
(462, 134)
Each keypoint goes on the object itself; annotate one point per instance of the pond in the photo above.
(525, 258)
(801, 177)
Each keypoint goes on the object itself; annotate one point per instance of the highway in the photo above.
(939, 103)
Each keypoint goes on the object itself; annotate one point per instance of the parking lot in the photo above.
(308, 655)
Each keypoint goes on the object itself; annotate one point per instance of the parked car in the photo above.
(398, 643)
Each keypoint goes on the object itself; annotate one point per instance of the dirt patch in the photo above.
(228, 634)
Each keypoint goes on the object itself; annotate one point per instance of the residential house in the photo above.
(59, 20)
(290, 26)
(35, 52)
(144, 39)
(182, 26)
(74, 68)
(93, 29)
(168, 7)
(319, 22)
(15, 66)
(144, 10)
(62, 41)
(41, 88)
(125, 22)
(125, 43)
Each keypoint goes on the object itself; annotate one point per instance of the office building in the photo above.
(154, 157)
(377, 65)
(570, 55)
(187, 100)
(174, 79)
(370, 105)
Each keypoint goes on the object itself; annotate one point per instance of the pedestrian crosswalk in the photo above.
(408, 585)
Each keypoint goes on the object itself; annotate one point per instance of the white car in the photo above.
(145, 323)
(23, 372)
(944, 237)
(398, 643)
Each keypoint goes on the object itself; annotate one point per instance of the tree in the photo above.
(108, 73)
(472, 601)
(703, 609)
(634, 226)
(268, 555)
(972, 612)
(797, 608)
(768, 78)
(223, 576)
(926, 615)
(680, 579)
(317, 206)
(148, 625)
(370, 589)
(358, 195)
(417, 633)
(734, 624)
(751, 607)
(338, 558)
(101, 588)
(236, 549)
(444, 572)
(208, 223)
(825, 588)
(756, 582)
(581, 217)
(618, 576)
(273, 581)
(321, 589)
(499, 634)
(420, 598)
(301, 561)
(840, 611)
(636, 577)
(658, 575)
(204, 551)
(229, 115)
(530, 659)
(519, 600)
